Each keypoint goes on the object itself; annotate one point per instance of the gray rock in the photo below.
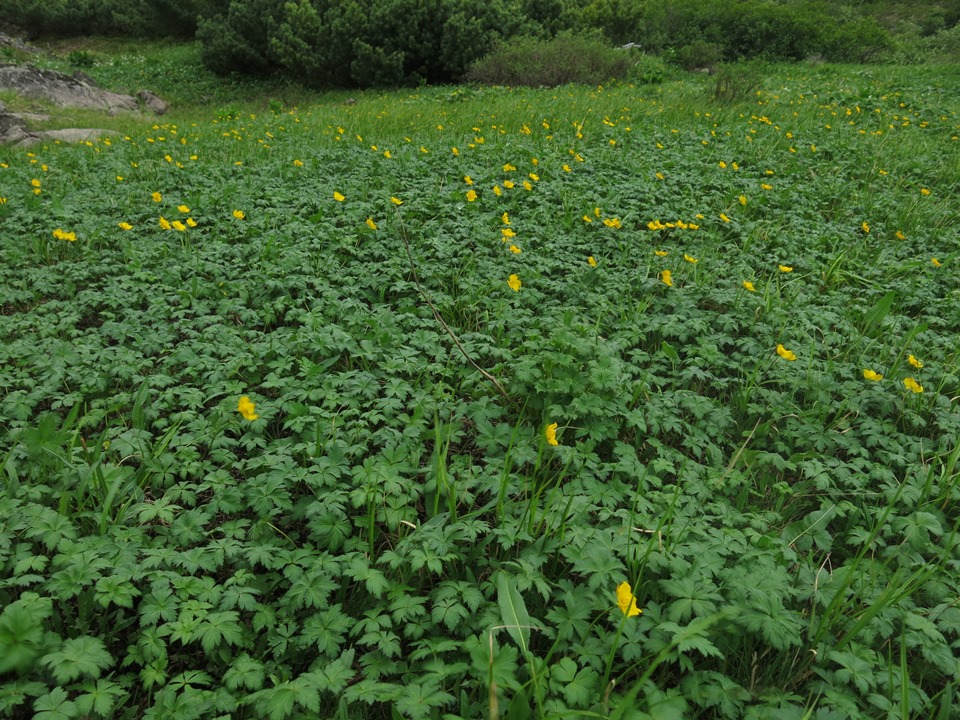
(156, 104)
(62, 90)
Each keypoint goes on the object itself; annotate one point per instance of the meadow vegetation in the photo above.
(612, 401)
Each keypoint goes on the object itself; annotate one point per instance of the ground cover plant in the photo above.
(628, 402)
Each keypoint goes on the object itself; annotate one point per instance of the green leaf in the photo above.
(54, 706)
(513, 611)
(82, 656)
(21, 632)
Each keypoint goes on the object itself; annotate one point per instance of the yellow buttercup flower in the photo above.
(786, 354)
(60, 234)
(164, 223)
(247, 408)
(871, 375)
(509, 184)
(239, 214)
(690, 258)
(297, 163)
(471, 195)
(371, 224)
(591, 261)
(178, 226)
(514, 282)
(660, 253)
(125, 226)
(612, 223)
(865, 226)
(749, 286)
(157, 197)
(396, 201)
(191, 222)
(913, 361)
(743, 199)
(785, 268)
(505, 218)
(724, 217)
(913, 385)
(183, 208)
(551, 433)
(508, 168)
(666, 278)
(339, 197)
(515, 250)
(627, 601)
(765, 186)
(935, 262)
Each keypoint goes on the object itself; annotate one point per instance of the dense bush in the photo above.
(547, 63)
(141, 18)
(743, 29)
(364, 42)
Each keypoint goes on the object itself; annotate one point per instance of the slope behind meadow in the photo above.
(738, 322)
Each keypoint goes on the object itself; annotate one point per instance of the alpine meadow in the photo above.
(630, 399)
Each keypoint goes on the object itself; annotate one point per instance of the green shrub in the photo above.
(562, 60)
(240, 39)
(699, 54)
(139, 18)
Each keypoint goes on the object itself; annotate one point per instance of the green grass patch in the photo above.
(693, 293)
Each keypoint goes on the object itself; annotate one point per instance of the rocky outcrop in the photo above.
(78, 91)
(62, 90)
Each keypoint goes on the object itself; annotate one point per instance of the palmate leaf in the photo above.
(76, 657)
(54, 706)
(420, 699)
(100, 697)
(278, 702)
(219, 627)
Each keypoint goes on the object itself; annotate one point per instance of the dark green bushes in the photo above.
(364, 42)
(140, 18)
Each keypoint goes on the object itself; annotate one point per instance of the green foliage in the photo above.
(390, 534)
(141, 18)
(561, 60)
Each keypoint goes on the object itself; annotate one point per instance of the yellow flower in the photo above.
(899, 235)
(743, 199)
(666, 278)
(913, 361)
(566, 168)
(239, 214)
(371, 224)
(612, 223)
(119, 178)
(871, 375)
(591, 261)
(396, 201)
(514, 282)
(551, 433)
(157, 197)
(749, 286)
(183, 208)
(339, 197)
(626, 600)
(497, 191)
(505, 218)
(247, 408)
(468, 180)
(507, 233)
(387, 155)
(723, 165)
(471, 195)
(924, 191)
(724, 217)
(191, 222)
(596, 211)
(297, 163)
(913, 385)
(455, 151)
(509, 184)
(527, 186)
(935, 262)
(60, 234)
(515, 250)
(125, 226)
(164, 223)
(690, 258)
(785, 268)
(865, 226)
(508, 168)
(534, 177)
(587, 218)
(178, 226)
(660, 253)
(765, 186)
(786, 354)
